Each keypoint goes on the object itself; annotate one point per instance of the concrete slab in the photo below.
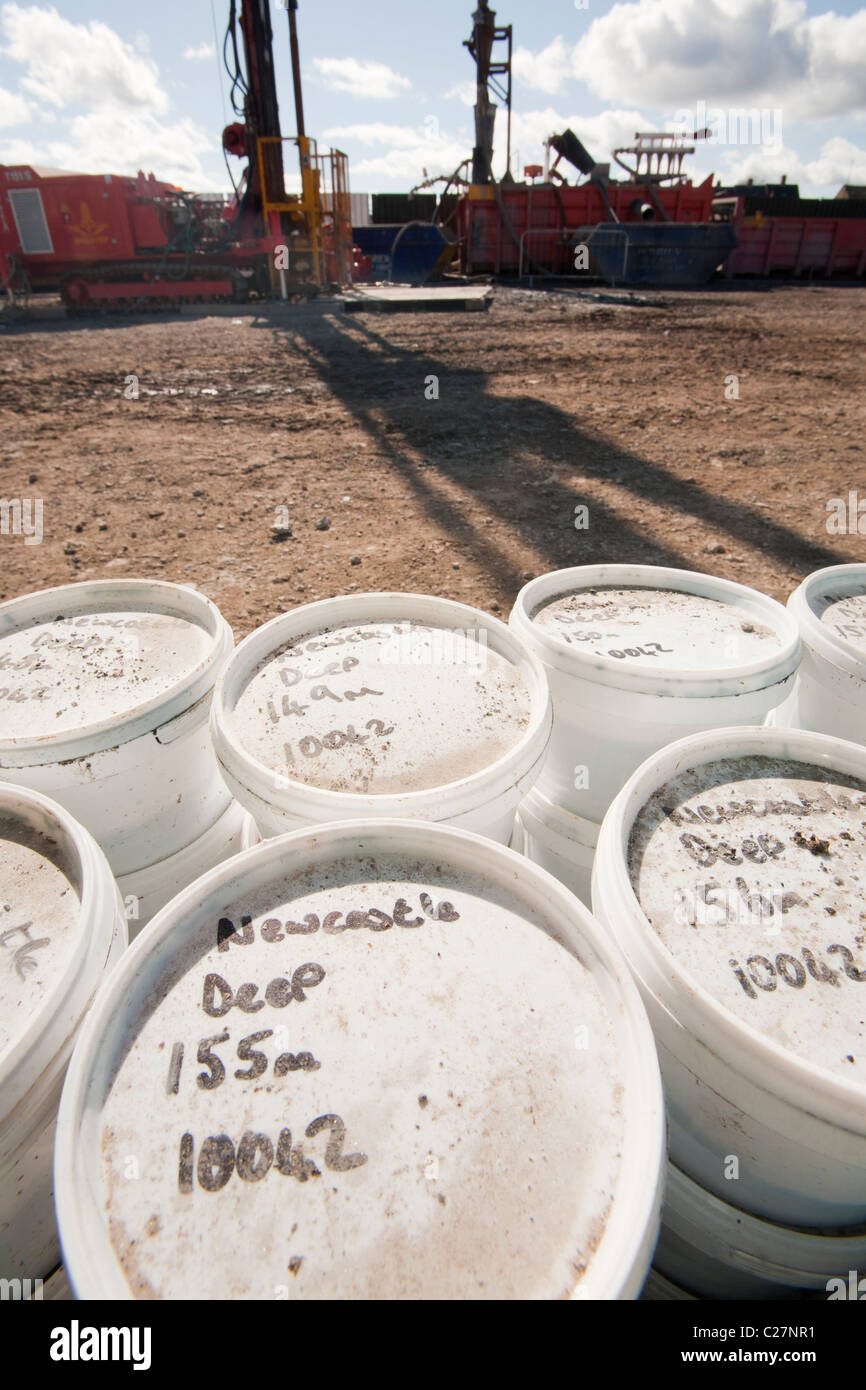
(411, 297)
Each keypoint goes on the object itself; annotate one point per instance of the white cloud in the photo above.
(131, 141)
(406, 166)
(376, 133)
(113, 105)
(671, 53)
(404, 151)
(200, 52)
(837, 64)
(547, 71)
(462, 91)
(839, 161)
(600, 134)
(79, 64)
(14, 110)
(360, 77)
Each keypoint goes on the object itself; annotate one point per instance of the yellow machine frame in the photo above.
(324, 205)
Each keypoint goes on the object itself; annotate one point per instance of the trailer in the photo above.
(793, 236)
(535, 228)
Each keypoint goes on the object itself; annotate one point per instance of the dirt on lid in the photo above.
(752, 871)
(657, 628)
(845, 613)
(40, 922)
(381, 1078)
(383, 707)
(77, 669)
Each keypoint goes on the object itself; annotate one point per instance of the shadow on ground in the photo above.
(522, 459)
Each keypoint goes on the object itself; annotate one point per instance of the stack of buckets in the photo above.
(756, 1027)
(446, 1037)
(153, 777)
(612, 719)
(106, 760)
(63, 931)
(124, 670)
(611, 711)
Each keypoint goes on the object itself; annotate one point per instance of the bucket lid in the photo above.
(364, 1061)
(383, 704)
(88, 666)
(732, 869)
(830, 609)
(59, 914)
(657, 631)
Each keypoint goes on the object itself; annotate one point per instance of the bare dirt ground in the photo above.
(545, 402)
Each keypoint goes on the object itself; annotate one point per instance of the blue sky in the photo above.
(114, 87)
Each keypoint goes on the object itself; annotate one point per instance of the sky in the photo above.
(115, 87)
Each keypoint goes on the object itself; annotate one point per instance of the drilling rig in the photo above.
(655, 227)
(109, 242)
(492, 74)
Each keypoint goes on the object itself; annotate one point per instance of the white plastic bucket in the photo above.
(56, 1288)
(829, 695)
(638, 656)
(148, 890)
(739, 913)
(714, 1250)
(250, 835)
(61, 930)
(104, 696)
(658, 1289)
(560, 842)
(471, 1075)
(382, 705)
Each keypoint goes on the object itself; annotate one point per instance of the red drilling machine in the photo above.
(108, 242)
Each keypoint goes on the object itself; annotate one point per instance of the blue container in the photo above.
(406, 253)
(658, 253)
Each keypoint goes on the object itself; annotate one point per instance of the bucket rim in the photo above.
(624, 1251)
(755, 1245)
(837, 651)
(97, 735)
(34, 1052)
(557, 820)
(227, 826)
(516, 767)
(741, 1046)
(671, 681)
